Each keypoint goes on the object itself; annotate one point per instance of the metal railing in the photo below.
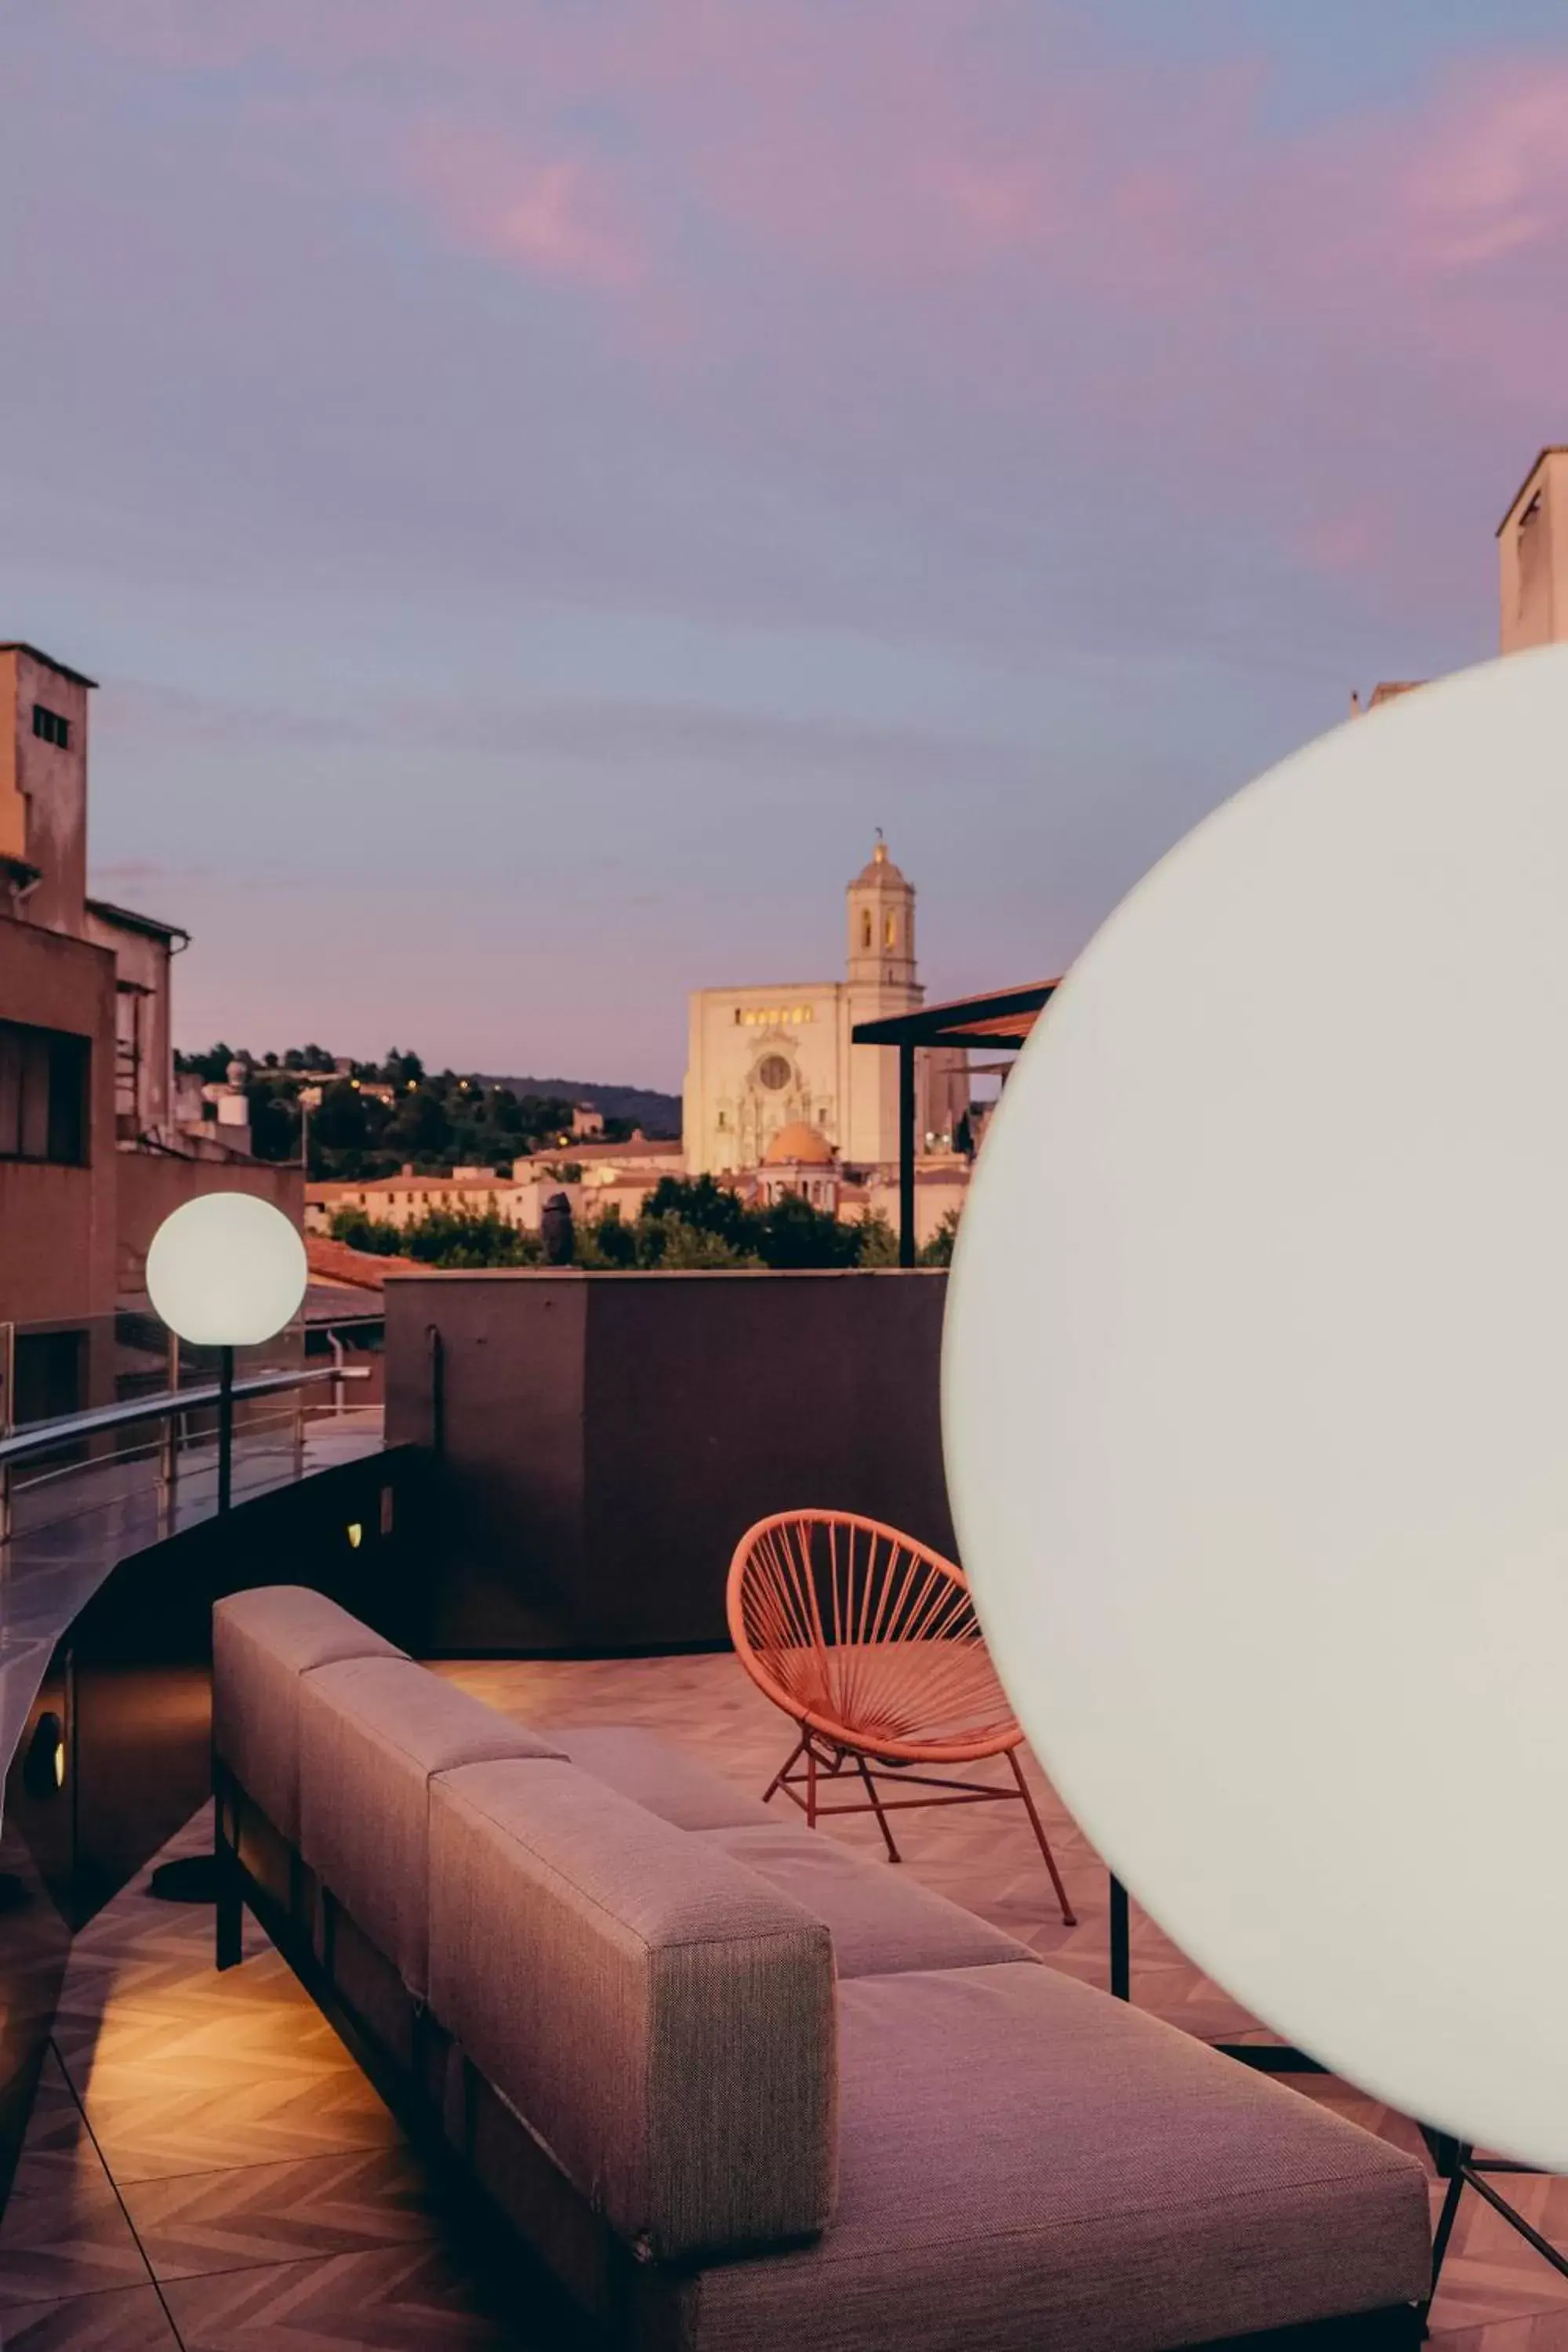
(168, 1411)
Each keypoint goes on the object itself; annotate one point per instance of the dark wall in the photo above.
(608, 1438)
(128, 1694)
(129, 1681)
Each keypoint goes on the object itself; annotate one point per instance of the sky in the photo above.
(540, 481)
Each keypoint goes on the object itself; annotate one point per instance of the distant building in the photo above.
(587, 1122)
(1533, 557)
(800, 1161)
(92, 1154)
(1387, 689)
(595, 1177)
(1533, 571)
(765, 1058)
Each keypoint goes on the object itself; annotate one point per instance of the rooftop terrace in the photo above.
(205, 2164)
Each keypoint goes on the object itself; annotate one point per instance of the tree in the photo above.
(794, 1234)
(938, 1251)
(672, 1242)
(419, 1125)
(455, 1238)
(879, 1244)
(606, 1241)
(357, 1231)
(212, 1066)
(340, 1123)
(702, 1202)
(274, 1123)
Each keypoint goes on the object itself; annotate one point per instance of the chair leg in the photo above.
(1069, 1918)
(782, 1773)
(810, 1785)
(893, 1853)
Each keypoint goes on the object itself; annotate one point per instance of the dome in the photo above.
(880, 873)
(798, 1146)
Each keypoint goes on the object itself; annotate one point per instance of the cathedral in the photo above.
(767, 1057)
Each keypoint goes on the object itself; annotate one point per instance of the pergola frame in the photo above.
(1002, 1020)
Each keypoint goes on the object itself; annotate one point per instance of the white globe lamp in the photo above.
(224, 1271)
(1255, 1400)
(227, 1270)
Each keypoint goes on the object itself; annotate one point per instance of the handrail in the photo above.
(39, 1436)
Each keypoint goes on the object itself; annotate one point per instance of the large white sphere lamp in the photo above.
(1256, 1399)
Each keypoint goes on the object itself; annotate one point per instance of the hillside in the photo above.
(656, 1113)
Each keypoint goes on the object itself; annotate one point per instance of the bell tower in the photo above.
(881, 918)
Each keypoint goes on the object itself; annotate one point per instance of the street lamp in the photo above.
(226, 1271)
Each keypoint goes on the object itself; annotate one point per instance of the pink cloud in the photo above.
(1346, 542)
(938, 208)
(1490, 177)
(559, 216)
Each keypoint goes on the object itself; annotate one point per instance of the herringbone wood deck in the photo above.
(206, 2167)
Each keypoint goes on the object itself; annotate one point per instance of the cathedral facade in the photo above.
(765, 1058)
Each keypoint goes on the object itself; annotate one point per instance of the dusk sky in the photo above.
(540, 481)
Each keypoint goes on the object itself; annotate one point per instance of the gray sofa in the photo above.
(740, 2089)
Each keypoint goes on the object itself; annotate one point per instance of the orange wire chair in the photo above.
(871, 1644)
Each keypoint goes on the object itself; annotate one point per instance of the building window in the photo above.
(773, 1072)
(865, 930)
(51, 728)
(892, 931)
(43, 1094)
(128, 1055)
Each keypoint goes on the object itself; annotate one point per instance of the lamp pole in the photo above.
(224, 1427)
(225, 1270)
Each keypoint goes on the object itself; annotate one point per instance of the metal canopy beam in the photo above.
(1005, 1018)
(1002, 1021)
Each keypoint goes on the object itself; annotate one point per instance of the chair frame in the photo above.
(825, 1750)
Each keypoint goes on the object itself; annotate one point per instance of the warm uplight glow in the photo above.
(44, 1765)
(1255, 1392)
(355, 1533)
(227, 1270)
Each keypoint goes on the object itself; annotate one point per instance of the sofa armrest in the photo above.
(659, 2016)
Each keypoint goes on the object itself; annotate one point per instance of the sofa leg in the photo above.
(230, 1923)
(230, 1928)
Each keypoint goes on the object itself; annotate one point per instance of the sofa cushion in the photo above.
(1025, 2161)
(263, 1641)
(371, 1733)
(660, 2017)
(661, 1776)
(881, 1919)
